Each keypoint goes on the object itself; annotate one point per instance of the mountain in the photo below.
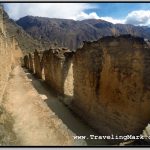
(71, 34)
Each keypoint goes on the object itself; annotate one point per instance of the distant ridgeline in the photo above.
(71, 34)
(106, 82)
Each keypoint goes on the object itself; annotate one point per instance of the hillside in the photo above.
(26, 42)
(71, 34)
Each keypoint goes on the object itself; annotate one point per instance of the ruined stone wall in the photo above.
(37, 64)
(31, 63)
(58, 71)
(53, 71)
(55, 67)
(107, 81)
(111, 84)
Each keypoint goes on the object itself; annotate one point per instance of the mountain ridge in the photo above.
(71, 34)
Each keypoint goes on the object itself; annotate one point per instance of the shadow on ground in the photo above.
(73, 122)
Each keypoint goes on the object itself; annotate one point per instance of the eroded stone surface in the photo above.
(111, 84)
(38, 64)
(10, 54)
(31, 66)
(58, 70)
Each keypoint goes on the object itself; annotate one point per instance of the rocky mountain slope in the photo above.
(25, 41)
(71, 34)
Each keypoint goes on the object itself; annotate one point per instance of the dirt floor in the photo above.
(34, 123)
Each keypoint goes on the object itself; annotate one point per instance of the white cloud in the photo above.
(112, 20)
(93, 15)
(52, 10)
(138, 17)
(83, 16)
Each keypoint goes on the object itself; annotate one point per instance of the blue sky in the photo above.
(131, 13)
(118, 10)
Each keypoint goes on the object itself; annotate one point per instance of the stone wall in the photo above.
(111, 84)
(58, 70)
(37, 64)
(31, 64)
(107, 82)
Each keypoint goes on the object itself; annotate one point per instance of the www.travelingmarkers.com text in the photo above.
(112, 137)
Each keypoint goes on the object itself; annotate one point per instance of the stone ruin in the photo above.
(107, 82)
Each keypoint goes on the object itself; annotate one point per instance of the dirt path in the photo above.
(73, 122)
(34, 122)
